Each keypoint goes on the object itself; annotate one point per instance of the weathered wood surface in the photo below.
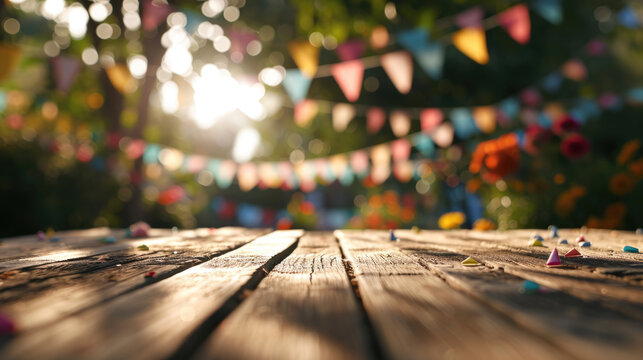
(235, 293)
(304, 309)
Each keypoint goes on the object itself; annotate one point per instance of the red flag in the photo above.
(349, 77)
(516, 23)
(350, 50)
(400, 149)
(375, 118)
(430, 119)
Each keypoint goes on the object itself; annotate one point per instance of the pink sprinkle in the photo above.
(150, 274)
(7, 326)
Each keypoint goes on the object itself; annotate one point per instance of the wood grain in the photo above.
(418, 316)
(154, 321)
(304, 309)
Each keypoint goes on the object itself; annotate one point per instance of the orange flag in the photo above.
(349, 76)
(306, 56)
(305, 111)
(516, 23)
(121, 79)
(400, 123)
(473, 43)
(247, 176)
(485, 118)
(399, 68)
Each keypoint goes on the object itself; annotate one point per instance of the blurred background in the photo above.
(320, 114)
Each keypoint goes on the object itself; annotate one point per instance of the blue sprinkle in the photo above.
(630, 249)
(393, 237)
(55, 239)
(585, 244)
(529, 287)
(108, 240)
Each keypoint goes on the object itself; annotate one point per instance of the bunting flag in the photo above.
(121, 78)
(424, 144)
(485, 118)
(400, 123)
(401, 149)
(349, 75)
(381, 155)
(247, 176)
(375, 119)
(403, 170)
(350, 50)
(338, 165)
(414, 39)
(430, 119)
(9, 56)
(516, 23)
(431, 59)
(65, 69)
(470, 18)
(463, 123)
(399, 68)
(225, 173)
(550, 10)
(305, 111)
(306, 56)
(342, 116)
(443, 135)
(296, 85)
(473, 43)
(154, 13)
(359, 163)
(379, 37)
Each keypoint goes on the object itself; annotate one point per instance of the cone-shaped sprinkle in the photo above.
(150, 274)
(529, 287)
(393, 237)
(630, 249)
(573, 253)
(580, 238)
(553, 230)
(471, 262)
(537, 237)
(563, 241)
(585, 244)
(554, 259)
(7, 326)
(535, 242)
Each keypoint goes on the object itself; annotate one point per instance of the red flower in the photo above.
(575, 146)
(535, 137)
(565, 124)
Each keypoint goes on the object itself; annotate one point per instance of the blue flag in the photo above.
(550, 10)
(296, 85)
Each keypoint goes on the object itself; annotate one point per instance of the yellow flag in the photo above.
(473, 43)
(121, 79)
(485, 118)
(9, 56)
(306, 57)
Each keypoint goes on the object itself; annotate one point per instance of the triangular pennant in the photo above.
(573, 253)
(470, 262)
(550, 10)
(414, 39)
(121, 78)
(400, 149)
(247, 176)
(381, 155)
(485, 118)
(399, 68)
(443, 135)
(338, 164)
(424, 144)
(463, 123)
(359, 162)
(516, 23)
(470, 18)
(380, 173)
(473, 43)
(350, 50)
(431, 59)
(375, 119)
(65, 69)
(154, 13)
(226, 172)
(430, 119)
(554, 259)
(342, 116)
(403, 170)
(296, 85)
(400, 123)
(349, 77)
(305, 111)
(306, 56)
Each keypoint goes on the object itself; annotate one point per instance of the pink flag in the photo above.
(154, 13)
(66, 68)
(403, 170)
(359, 161)
(470, 18)
(516, 23)
(247, 176)
(375, 118)
(400, 123)
(349, 76)
(305, 111)
(400, 149)
(350, 50)
(399, 68)
(430, 119)
(443, 135)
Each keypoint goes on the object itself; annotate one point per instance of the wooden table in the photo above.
(235, 293)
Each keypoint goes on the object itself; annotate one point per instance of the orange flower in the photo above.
(496, 158)
(628, 149)
(636, 168)
(621, 184)
(473, 185)
(484, 225)
(566, 201)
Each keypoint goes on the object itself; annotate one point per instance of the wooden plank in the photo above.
(577, 278)
(48, 293)
(587, 328)
(304, 309)
(154, 321)
(418, 316)
(90, 246)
